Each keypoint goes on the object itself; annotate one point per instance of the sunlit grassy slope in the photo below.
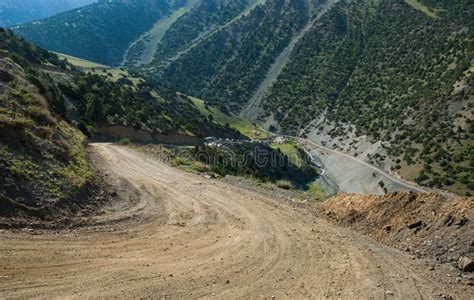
(245, 127)
(81, 63)
(291, 150)
(95, 68)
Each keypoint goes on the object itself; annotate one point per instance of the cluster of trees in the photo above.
(42, 155)
(389, 70)
(25, 53)
(228, 66)
(99, 100)
(100, 32)
(253, 160)
(204, 18)
(102, 101)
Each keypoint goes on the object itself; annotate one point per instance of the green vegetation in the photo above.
(143, 50)
(256, 161)
(243, 126)
(112, 74)
(316, 191)
(108, 96)
(24, 53)
(199, 21)
(423, 8)
(399, 72)
(42, 158)
(48, 107)
(393, 77)
(294, 152)
(106, 27)
(81, 63)
(105, 96)
(125, 141)
(102, 101)
(226, 67)
(284, 184)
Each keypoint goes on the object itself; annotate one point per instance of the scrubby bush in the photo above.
(284, 184)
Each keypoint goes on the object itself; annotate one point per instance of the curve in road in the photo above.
(178, 235)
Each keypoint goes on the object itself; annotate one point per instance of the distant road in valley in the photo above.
(375, 169)
(401, 183)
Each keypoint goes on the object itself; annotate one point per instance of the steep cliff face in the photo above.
(226, 66)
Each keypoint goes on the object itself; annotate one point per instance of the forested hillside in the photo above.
(14, 12)
(201, 21)
(142, 50)
(226, 67)
(101, 32)
(398, 73)
(101, 101)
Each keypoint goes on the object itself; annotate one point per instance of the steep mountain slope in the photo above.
(101, 32)
(116, 104)
(14, 12)
(253, 108)
(387, 74)
(226, 67)
(142, 50)
(43, 167)
(207, 17)
(388, 82)
(133, 33)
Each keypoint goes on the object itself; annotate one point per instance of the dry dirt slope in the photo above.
(182, 236)
(427, 225)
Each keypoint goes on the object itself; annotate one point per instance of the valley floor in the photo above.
(177, 235)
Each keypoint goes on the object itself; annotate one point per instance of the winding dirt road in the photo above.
(181, 236)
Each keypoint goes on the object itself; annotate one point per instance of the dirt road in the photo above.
(403, 184)
(182, 236)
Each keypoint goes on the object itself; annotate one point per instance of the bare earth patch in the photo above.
(426, 225)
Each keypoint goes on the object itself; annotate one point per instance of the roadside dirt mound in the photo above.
(427, 225)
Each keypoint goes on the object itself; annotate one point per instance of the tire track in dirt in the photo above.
(185, 237)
